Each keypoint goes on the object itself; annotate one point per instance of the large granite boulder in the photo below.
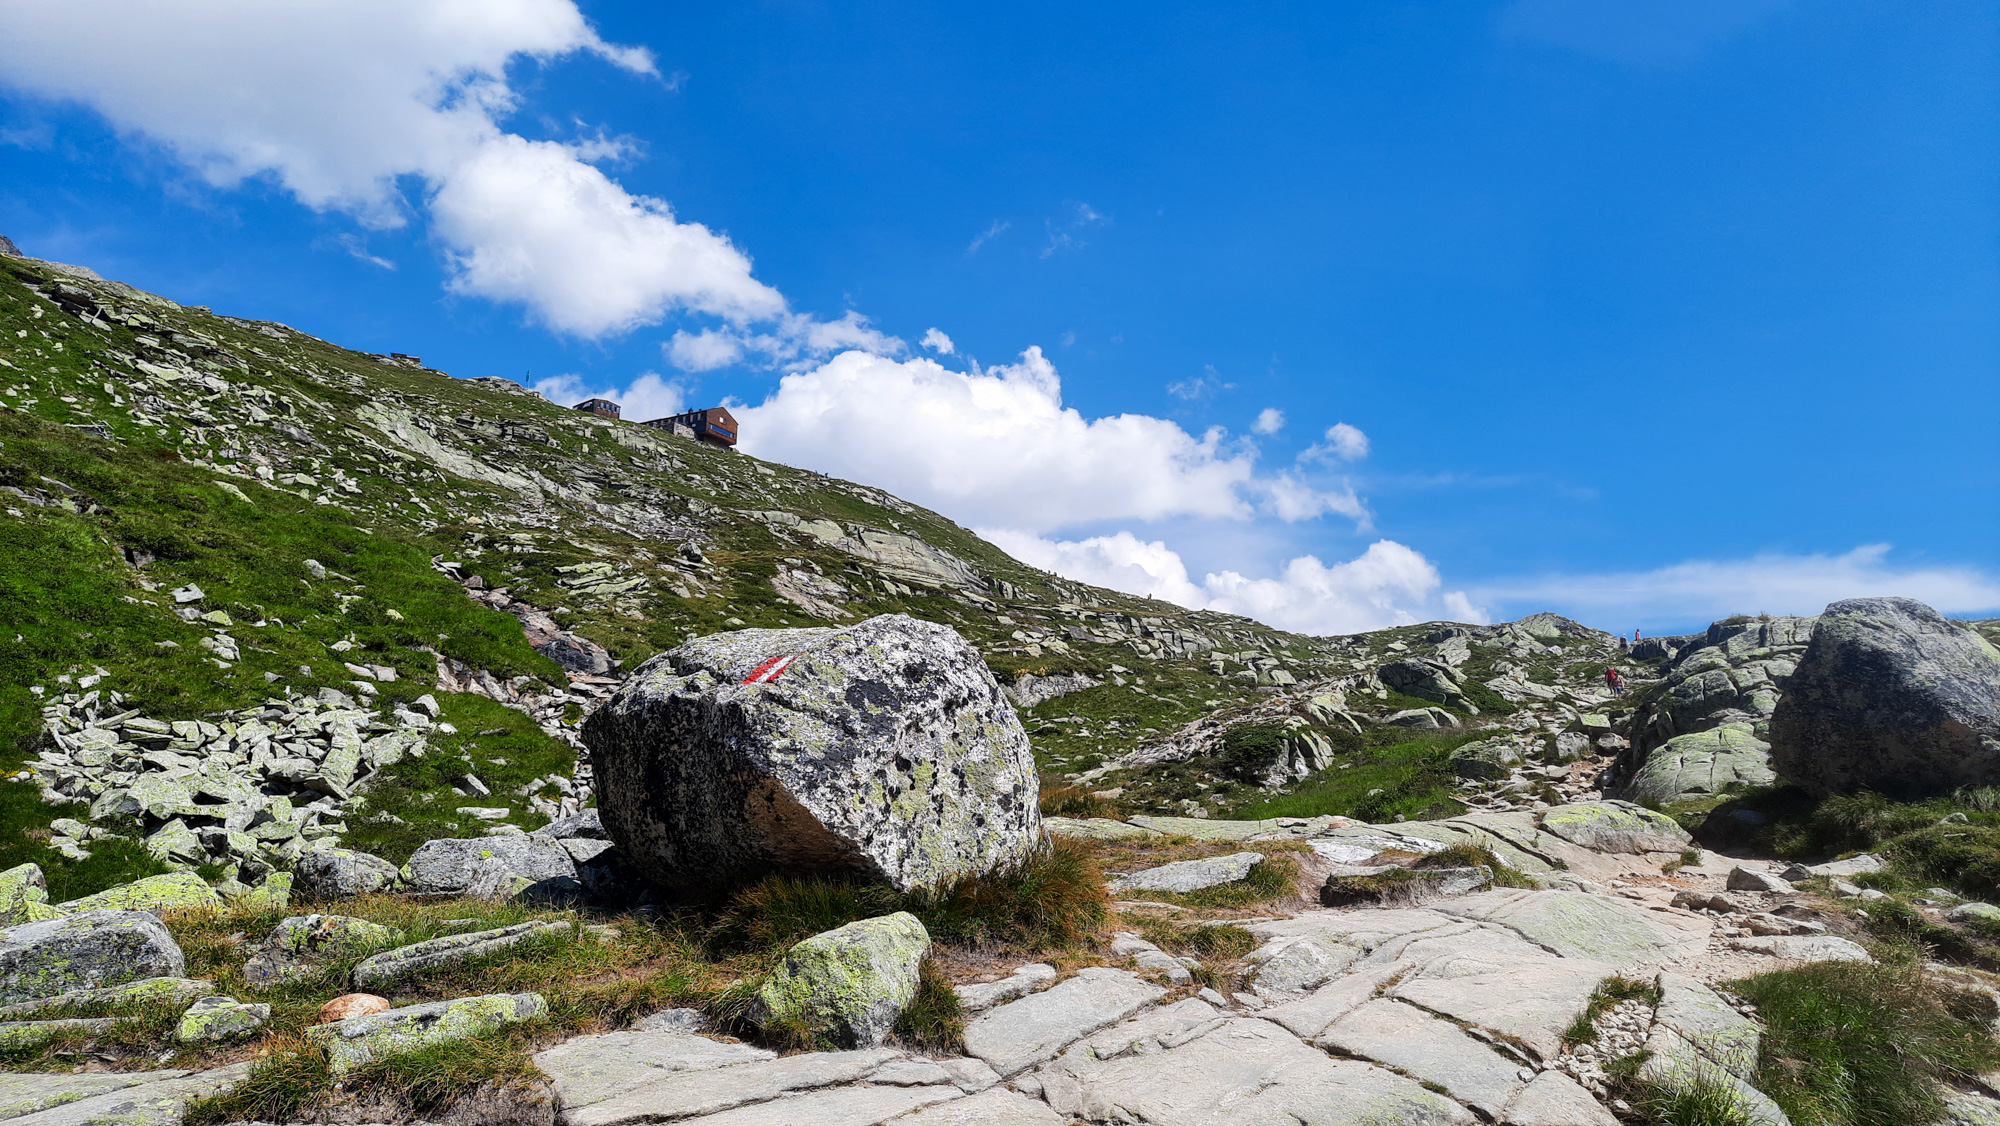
(883, 750)
(1702, 763)
(1890, 696)
(84, 951)
(456, 865)
(1427, 680)
(338, 873)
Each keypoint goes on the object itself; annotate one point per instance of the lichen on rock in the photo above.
(847, 986)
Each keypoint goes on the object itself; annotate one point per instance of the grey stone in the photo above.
(455, 865)
(216, 1019)
(910, 1073)
(849, 984)
(1974, 912)
(839, 1106)
(1701, 763)
(673, 1020)
(1292, 965)
(1964, 1109)
(1675, 1063)
(163, 991)
(1025, 1032)
(1024, 980)
(1893, 697)
(1805, 948)
(1573, 924)
(1427, 1048)
(392, 966)
(690, 1092)
(583, 825)
(997, 1106)
(1615, 826)
(1693, 1011)
(141, 1104)
(1096, 828)
(1241, 1072)
(300, 943)
(28, 1035)
(1422, 719)
(1755, 879)
(338, 873)
(356, 1041)
(1190, 875)
(1487, 759)
(1852, 866)
(1397, 886)
(1554, 1099)
(26, 1093)
(1427, 680)
(883, 749)
(170, 891)
(85, 951)
(587, 1070)
(1149, 958)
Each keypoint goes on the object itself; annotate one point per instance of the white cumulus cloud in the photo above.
(998, 448)
(1386, 585)
(1341, 442)
(1270, 420)
(936, 341)
(346, 103)
(647, 397)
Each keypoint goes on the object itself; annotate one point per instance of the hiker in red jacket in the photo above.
(1615, 682)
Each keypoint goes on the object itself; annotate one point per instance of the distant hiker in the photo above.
(1615, 682)
(1635, 637)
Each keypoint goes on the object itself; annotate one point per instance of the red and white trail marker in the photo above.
(771, 670)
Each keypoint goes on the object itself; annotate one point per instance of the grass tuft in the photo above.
(934, 1020)
(1858, 1044)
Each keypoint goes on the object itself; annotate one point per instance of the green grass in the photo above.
(499, 745)
(1413, 775)
(934, 1020)
(1705, 1096)
(1855, 1044)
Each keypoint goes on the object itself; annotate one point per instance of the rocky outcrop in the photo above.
(848, 985)
(359, 1040)
(1890, 696)
(298, 945)
(86, 951)
(883, 750)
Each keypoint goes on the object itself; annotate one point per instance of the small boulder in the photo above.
(1486, 759)
(848, 985)
(174, 891)
(583, 825)
(215, 1019)
(1752, 879)
(338, 873)
(883, 750)
(1422, 719)
(1396, 886)
(1615, 826)
(298, 944)
(88, 950)
(160, 992)
(24, 896)
(392, 966)
(1890, 696)
(1975, 913)
(1184, 876)
(458, 866)
(349, 1005)
(359, 1040)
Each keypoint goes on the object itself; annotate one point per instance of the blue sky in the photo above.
(1646, 312)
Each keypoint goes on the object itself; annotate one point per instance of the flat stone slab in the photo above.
(1427, 1048)
(25, 1093)
(1573, 924)
(1243, 1072)
(995, 1107)
(714, 1090)
(840, 1106)
(1023, 981)
(150, 990)
(1804, 948)
(1554, 1099)
(1025, 1032)
(1190, 875)
(1096, 828)
(1206, 829)
(1292, 965)
(392, 966)
(1702, 1018)
(142, 1104)
(591, 1069)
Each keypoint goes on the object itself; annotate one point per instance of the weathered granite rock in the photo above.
(1693, 1011)
(88, 950)
(1674, 1063)
(24, 1093)
(358, 1040)
(850, 984)
(1804, 948)
(1427, 680)
(1294, 964)
(1487, 759)
(1700, 763)
(1190, 875)
(173, 891)
(883, 749)
(159, 1102)
(711, 1089)
(1148, 958)
(1755, 879)
(454, 865)
(338, 873)
(392, 966)
(215, 1019)
(590, 1069)
(1573, 924)
(583, 825)
(162, 991)
(995, 1107)
(1615, 826)
(27, 1035)
(1397, 886)
(1974, 913)
(24, 896)
(299, 943)
(1422, 719)
(1025, 1032)
(1096, 828)
(1554, 1099)
(1427, 1048)
(1023, 981)
(1893, 697)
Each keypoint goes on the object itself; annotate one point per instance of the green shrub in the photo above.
(1859, 1044)
(1966, 857)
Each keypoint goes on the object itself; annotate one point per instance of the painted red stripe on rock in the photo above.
(771, 670)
